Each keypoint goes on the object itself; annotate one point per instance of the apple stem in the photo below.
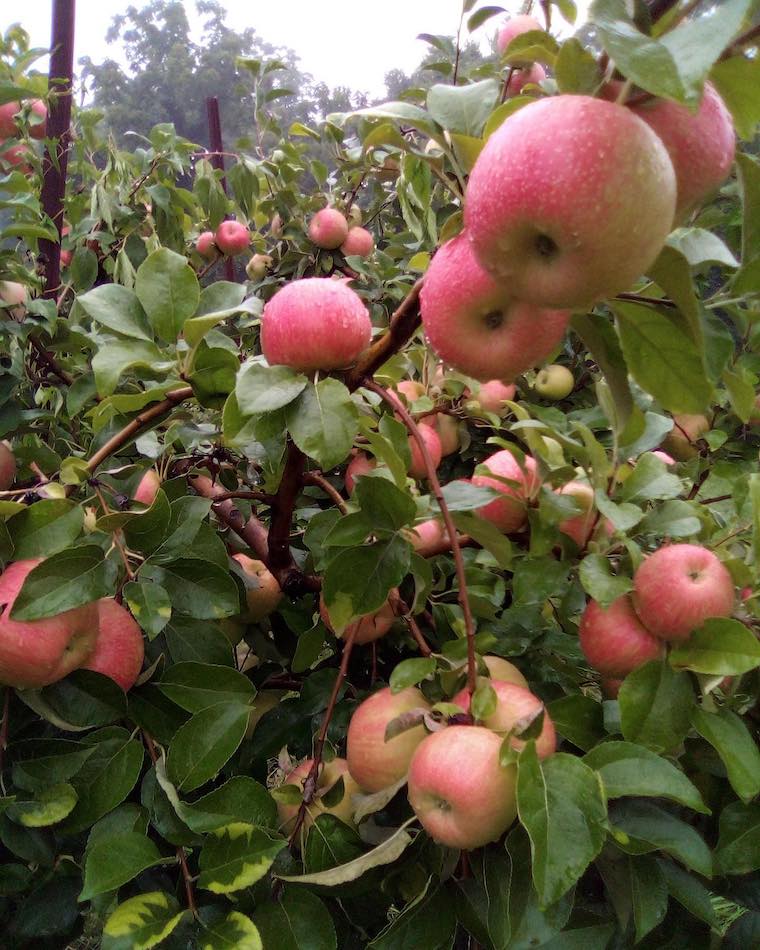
(310, 783)
(456, 550)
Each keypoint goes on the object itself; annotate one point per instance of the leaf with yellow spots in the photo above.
(141, 922)
(236, 856)
(234, 931)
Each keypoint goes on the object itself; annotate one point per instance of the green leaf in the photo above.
(486, 535)
(239, 799)
(427, 921)
(599, 582)
(649, 893)
(650, 481)
(655, 706)
(196, 686)
(195, 587)
(738, 850)
(675, 519)
(410, 672)
(738, 81)
(213, 375)
(578, 718)
(150, 606)
(297, 921)
(117, 308)
(66, 580)
(385, 507)
(323, 422)
(49, 806)
(749, 182)
(45, 528)
(601, 340)
(202, 746)
(115, 860)
(463, 109)
(722, 646)
(576, 69)
(113, 359)
(731, 739)
(689, 892)
(562, 807)
(234, 932)
(168, 289)
(49, 762)
(650, 828)
(141, 922)
(85, 698)
(700, 246)
(662, 358)
(629, 769)
(262, 388)
(236, 856)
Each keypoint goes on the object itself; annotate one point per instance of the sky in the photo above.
(343, 42)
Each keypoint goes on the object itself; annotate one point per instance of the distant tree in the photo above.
(435, 66)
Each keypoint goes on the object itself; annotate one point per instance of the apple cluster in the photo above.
(230, 238)
(16, 154)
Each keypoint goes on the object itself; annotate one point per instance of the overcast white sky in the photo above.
(343, 42)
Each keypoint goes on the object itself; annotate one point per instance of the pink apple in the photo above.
(515, 706)
(515, 26)
(492, 396)
(501, 669)
(39, 111)
(359, 242)
(119, 647)
(371, 626)
(611, 687)
(447, 429)
(570, 201)
(262, 593)
(418, 469)
(664, 457)
(473, 323)
(461, 794)
(410, 389)
(374, 763)
(205, 245)
(232, 238)
(681, 441)
(18, 157)
(520, 78)
(15, 297)
(581, 527)
(429, 538)
(328, 229)
(330, 774)
(35, 653)
(315, 324)
(614, 640)
(679, 587)
(7, 466)
(147, 487)
(359, 465)
(509, 512)
(8, 128)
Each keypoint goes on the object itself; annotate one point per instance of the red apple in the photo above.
(687, 430)
(475, 325)
(429, 538)
(147, 487)
(492, 396)
(232, 238)
(515, 705)
(39, 110)
(614, 640)
(374, 763)
(581, 527)
(328, 229)
(35, 653)
(359, 242)
(119, 647)
(461, 794)
(513, 27)
(520, 78)
(18, 157)
(359, 465)
(570, 201)
(7, 466)
(329, 775)
(371, 626)
(315, 324)
(418, 469)
(447, 429)
(8, 128)
(509, 512)
(679, 587)
(262, 593)
(611, 687)
(205, 245)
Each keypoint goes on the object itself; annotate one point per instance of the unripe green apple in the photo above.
(554, 382)
(355, 217)
(266, 699)
(257, 267)
(262, 593)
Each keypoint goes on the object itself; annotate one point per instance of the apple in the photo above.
(147, 487)
(372, 626)
(515, 705)
(276, 226)
(447, 430)
(611, 687)
(315, 324)
(570, 201)
(664, 457)
(14, 297)
(119, 648)
(266, 699)
(330, 773)
(417, 468)
(35, 653)
(205, 245)
(429, 538)
(67, 255)
(474, 325)
(509, 512)
(461, 794)
(554, 382)
(328, 229)
(701, 145)
(262, 592)
(410, 389)
(7, 466)
(9, 129)
(520, 78)
(359, 242)
(614, 640)
(359, 465)
(501, 669)
(374, 763)
(687, 430)
(232, 238)
(679, 587)
(513, 27)
(257, 267)
(18, 157)
(491, 397)
(581, 527)
(38, 130)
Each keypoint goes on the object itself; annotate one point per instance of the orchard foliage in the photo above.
(167, 815)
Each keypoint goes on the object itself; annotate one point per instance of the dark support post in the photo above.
(58, 122)
(217, 159)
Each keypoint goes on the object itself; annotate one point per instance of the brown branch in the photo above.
(140, 421)
(464, 600)
(252, 531)
(402, 326)
(251, 495)
(402, 609)
(316, 478)
(640, 298)
(698, 484)
(280, 558)
(50, 362)
(714, 501)
(310, 784)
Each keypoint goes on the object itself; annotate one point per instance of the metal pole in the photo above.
(217, 160)
(58, 122)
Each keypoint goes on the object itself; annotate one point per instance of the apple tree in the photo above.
(402, 591)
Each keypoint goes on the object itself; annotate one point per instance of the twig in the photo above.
(714, 501)
(50, 362)
(280, 558)
(316, 478)
(310, 784)
(401, 609)
(640, 298)
(252, 495)
(698, 484)
(456, 550)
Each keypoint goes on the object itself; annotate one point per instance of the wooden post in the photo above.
(216, 148)
(58, 122)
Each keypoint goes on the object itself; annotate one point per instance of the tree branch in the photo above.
(50, 362)
(280, 558)
(316, 478)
